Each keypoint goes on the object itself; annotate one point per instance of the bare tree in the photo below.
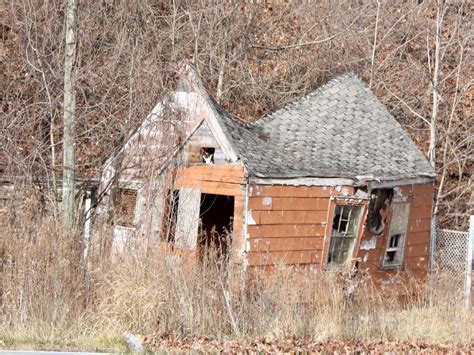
(68, 188)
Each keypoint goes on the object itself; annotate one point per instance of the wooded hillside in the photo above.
(255, 58)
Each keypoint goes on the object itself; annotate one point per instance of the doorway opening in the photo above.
(215, 230)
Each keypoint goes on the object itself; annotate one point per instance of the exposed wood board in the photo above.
(210, 188)
(188, 218)
(190, 181)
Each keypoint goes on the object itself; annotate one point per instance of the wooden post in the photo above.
(468, 282)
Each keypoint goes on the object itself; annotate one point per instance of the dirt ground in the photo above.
(293, 345)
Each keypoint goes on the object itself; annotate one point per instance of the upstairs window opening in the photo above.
(207, 155)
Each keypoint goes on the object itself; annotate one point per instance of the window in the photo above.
(344, 233)
(125, 204)
(396, 240)
(207, 155)
(201, 155)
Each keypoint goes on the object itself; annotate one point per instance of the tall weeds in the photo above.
(45, 281)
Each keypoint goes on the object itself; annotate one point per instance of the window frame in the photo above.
(129, 185)
(391, 233)
(350, 201)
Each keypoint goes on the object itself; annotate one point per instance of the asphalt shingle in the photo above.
(339, 130)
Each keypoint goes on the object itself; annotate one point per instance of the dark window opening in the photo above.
(198, 154)
(207, 155)
(170, 218)
(378, 202)
(394, 250)
(125, 205)
(216, 217)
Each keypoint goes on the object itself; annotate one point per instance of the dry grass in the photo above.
(53, 299)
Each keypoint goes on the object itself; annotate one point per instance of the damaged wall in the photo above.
(227, 180)
(418, 236)
(287, 224)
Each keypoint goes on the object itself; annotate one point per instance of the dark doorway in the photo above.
(216, 215)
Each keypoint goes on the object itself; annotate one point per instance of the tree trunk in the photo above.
(435, 79)
(68, 189)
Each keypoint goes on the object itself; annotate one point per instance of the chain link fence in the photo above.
(453, 259)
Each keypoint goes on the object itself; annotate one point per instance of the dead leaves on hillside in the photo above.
(294, 345)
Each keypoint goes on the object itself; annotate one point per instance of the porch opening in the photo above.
(216, 217)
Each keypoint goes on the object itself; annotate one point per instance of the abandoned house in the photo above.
(326, 181)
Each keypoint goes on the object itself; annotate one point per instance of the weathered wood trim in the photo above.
(336, 200)
(402, 182)
(315, 181)
(302, 181)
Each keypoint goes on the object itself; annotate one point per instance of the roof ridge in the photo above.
(330, 83)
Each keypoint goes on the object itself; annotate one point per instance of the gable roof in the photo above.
(341, 130)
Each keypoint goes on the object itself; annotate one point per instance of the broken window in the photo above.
(344, 233)
(125, 205)
(378, 202)
(171, 216)
(396, 239)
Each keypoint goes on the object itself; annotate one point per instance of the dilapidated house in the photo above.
(327, 180)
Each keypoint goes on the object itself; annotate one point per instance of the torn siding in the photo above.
(418, 235)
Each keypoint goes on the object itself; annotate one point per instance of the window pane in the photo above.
(344, 231)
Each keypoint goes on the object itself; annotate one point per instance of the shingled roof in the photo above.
(339, 130)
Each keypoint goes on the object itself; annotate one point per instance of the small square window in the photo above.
(207, 155)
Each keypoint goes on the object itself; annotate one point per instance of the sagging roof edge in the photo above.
(373, 184)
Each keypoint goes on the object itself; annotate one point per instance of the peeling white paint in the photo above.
(338, 188)
(247, 246)
(250, 220)
(267, 201)
(397, 192)
(366, 257)
(361, 194)
(345, 191)
(369, 244)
